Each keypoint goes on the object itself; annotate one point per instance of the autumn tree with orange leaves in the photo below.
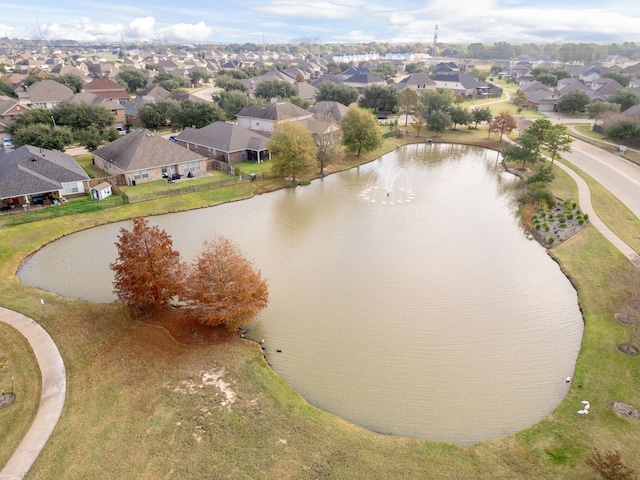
(223, 287)
(148, 271)
(502, 123)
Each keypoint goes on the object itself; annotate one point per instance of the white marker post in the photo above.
(44, 309)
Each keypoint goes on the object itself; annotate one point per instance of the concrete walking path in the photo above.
(54, 387)
(584, 200)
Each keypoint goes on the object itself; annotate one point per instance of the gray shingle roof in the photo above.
(329, 109)
(48, 91)
(275, 111)
(225, 137)
(32, 170)
(142, 149)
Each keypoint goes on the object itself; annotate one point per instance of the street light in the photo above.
(54, 120)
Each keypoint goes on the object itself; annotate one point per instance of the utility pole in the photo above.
(435, 41)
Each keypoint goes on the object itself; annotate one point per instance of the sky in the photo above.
(324, 21)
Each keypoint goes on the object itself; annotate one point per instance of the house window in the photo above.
(141, 174)
(244, 154)
(70, 188)
(191, 167)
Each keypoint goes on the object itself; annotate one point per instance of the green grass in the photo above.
(86, 162)
(17, 362)
(126, 416)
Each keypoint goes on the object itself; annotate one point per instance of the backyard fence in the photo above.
(61, 210)
(183, 190)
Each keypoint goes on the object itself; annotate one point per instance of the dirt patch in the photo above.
(625, 410)
(186, 330)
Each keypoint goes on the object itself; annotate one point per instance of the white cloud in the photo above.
(143, 27)
(11, 32)
(187, 31)
(82, 30)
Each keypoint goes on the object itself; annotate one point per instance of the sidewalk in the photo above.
(54, 387)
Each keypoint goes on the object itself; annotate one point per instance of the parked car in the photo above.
(121, 131)
(7, 143)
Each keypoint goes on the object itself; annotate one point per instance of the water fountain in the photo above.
(388, 186)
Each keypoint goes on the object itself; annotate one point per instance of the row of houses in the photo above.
(36, 176)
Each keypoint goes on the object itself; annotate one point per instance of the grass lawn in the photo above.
(138, 406)
(17, 362)
(86, 162)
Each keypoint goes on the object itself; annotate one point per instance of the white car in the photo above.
(7, 143)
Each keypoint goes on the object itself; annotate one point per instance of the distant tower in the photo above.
(435, 41)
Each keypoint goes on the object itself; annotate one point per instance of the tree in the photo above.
(547, 79)
(624, 129)
(6, 89)
(539, 129)
(42, 135)
(434, 101)
(157, 114)
(481, 114)
(194, 114)
(232, 101)
(438, 122)
(274, 89)
(228, 83)
(74, 82)
(625, 98)
(384, 70)
(224, 288)
(407, 100)
(380, 98)
(503, 123)
(171, 82)
(525, 151)
(329, 143)
(148, 272)
(610, 466)
(360, 131)
(622, 78)
(595, 110)
(332, 92)
(418, 123)
(520, 99)
(626, 285)
(460, 116)
(80, 116)
(132, 79)
(574, 101)
(293, 150)
(198, 74)
(30, 117)
(557, 139)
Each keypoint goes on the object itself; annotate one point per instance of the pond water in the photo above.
(404, 296)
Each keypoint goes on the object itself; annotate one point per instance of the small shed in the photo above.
(101, 191)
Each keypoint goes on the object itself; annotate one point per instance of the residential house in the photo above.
(108, 89)
(566, 85)
(225, 142)
(460, 83)
(142, 156)
(602, 89)
(363, 80)
(44, 94)
(9, 110)
(540, 97)
(403, 56)
(590, 74)
(329, 110)
(419, 82)
(119, 118)
(33, 175)
(263, 118)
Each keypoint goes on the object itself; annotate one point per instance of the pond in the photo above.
(404, 295)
